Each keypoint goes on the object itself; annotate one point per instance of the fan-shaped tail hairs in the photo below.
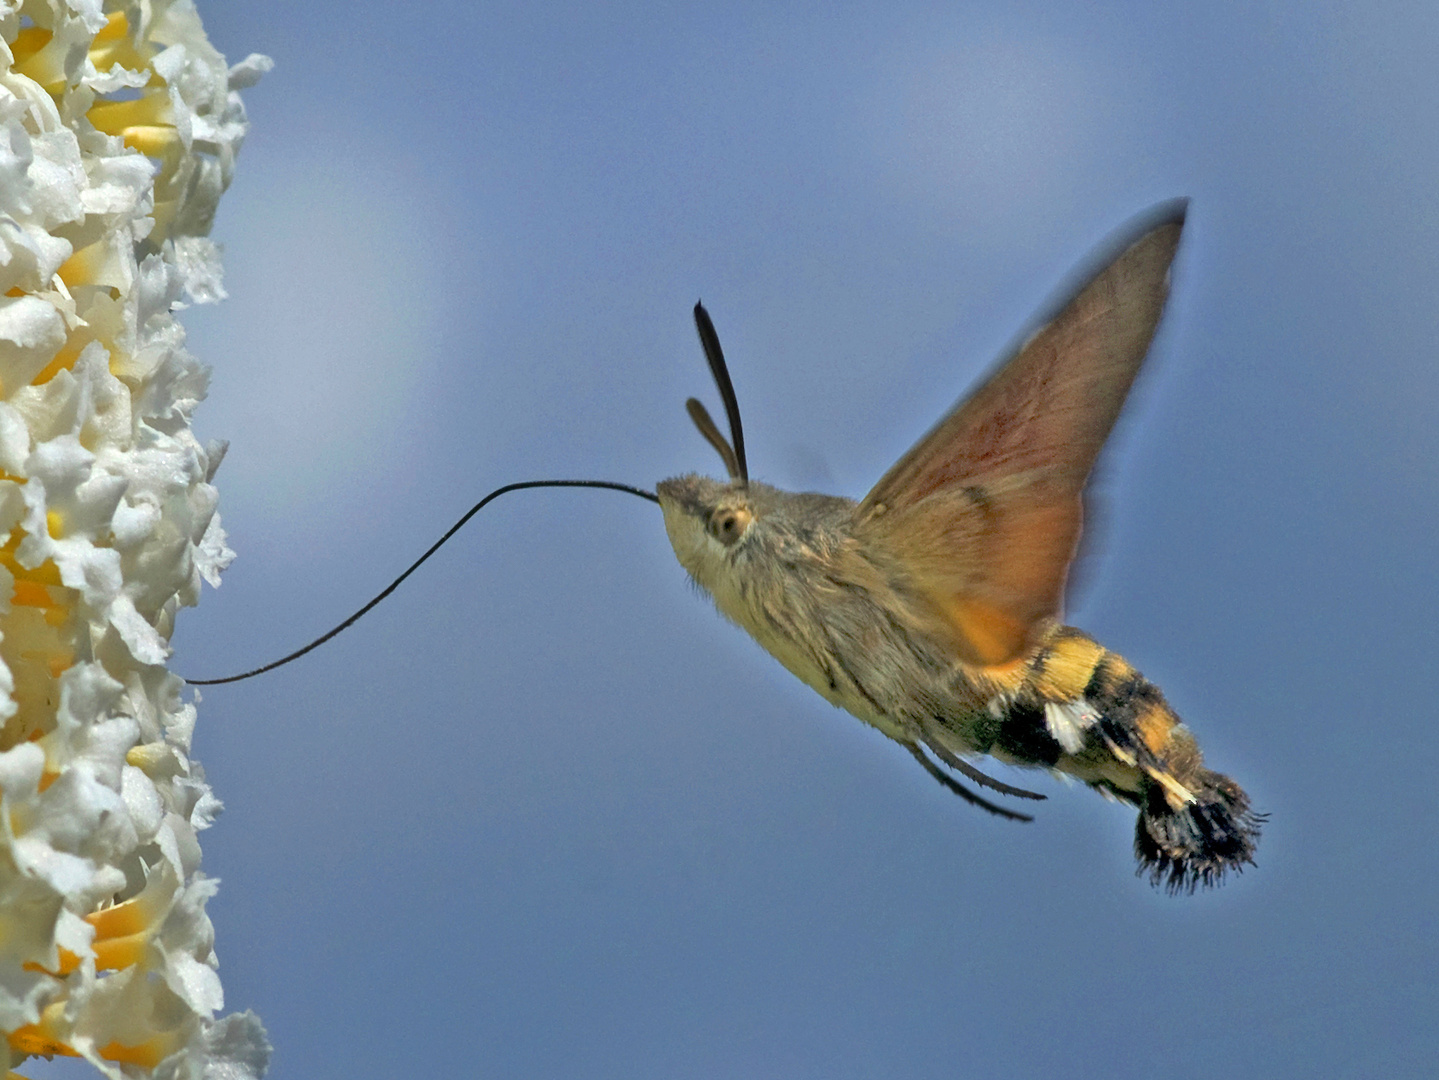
(733, 459)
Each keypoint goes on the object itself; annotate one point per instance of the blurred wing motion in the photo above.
(984, 513)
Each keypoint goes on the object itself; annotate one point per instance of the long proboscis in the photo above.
(456, 527)
(709, 340)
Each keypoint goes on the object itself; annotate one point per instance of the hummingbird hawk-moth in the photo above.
(931, 608)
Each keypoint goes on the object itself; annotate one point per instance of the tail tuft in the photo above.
(1198, 844)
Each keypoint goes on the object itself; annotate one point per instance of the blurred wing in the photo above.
(983, 515)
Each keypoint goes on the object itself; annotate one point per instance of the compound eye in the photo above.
(728, 525)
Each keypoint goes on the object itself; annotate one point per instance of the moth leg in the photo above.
(959, 789)
(959, 765)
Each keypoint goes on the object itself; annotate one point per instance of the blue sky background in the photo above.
(544, 813)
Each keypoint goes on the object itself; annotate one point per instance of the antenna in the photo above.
(715, 355)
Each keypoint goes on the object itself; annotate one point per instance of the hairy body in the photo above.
(853, 627)
(930, 609)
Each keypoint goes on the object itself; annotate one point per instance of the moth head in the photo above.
(708, 522)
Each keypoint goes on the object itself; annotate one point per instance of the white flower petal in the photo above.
(142, 803)
(248, 71)
(31, 332)
(14, 441)
(198, 258)
(232, 1048)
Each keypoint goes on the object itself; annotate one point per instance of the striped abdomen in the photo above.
(1076, 707)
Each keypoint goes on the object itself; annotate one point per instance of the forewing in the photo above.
(982, 516)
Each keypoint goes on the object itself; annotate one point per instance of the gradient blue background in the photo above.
(545, 814)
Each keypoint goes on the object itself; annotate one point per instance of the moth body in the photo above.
(931, 608)
(796, 579)
(792, 580)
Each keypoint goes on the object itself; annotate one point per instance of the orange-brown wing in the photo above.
(983, 515)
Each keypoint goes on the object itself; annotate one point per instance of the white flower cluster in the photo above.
(119, 125)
